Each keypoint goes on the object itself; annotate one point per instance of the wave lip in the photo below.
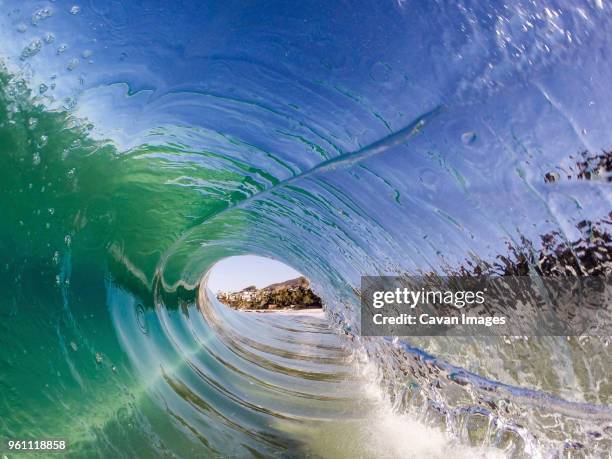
(137, 153)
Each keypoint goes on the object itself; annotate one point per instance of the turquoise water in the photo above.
(141, 143)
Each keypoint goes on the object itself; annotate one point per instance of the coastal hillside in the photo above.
(291, 294)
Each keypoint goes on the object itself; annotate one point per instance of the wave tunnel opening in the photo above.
(145, 145)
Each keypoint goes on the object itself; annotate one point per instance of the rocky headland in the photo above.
(292, 294)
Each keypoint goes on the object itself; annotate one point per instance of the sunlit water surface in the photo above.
(142, 142)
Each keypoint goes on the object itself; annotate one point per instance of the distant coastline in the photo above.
(293, 294)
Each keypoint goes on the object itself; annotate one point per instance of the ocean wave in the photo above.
(144, 143)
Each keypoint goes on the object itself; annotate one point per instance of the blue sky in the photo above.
(235, 273)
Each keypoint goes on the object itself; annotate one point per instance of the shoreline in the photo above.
(283, 311)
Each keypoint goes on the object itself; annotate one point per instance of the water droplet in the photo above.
(21, 28)
(56, 257)
(36, 159)
(62, 48)
(42, 141)
(51, 210)
(98, 357)
(49, 38)
(69, 103)
(429, 178)
(76, 9)
(468, 137)
(41, 15)
(71, 173)
(72, 64)
(67, 240)
(31, 49)
(380, 72)
(42, 88)
(552, 177)
(87, 53)
(32, 122)
(74, 346)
